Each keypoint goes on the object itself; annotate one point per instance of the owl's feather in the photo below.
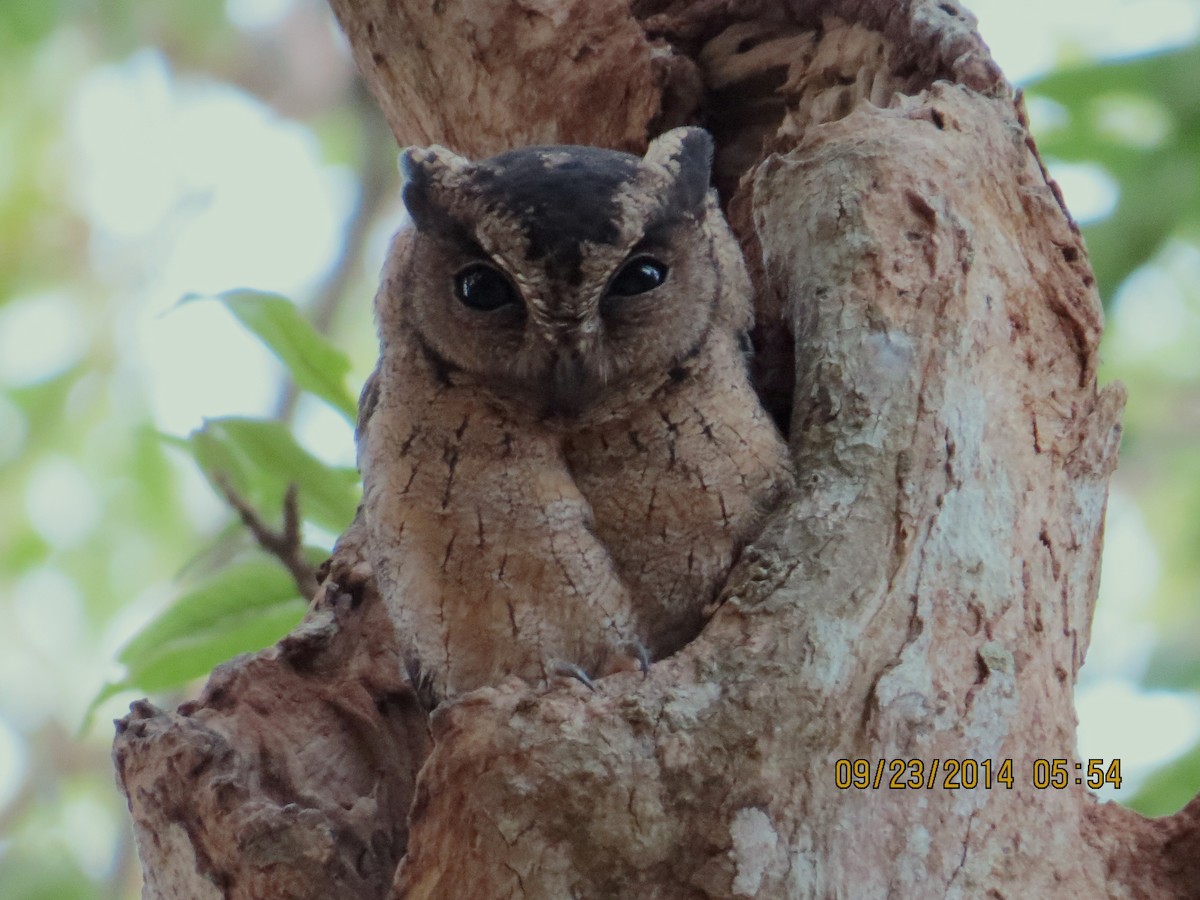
(561, 451)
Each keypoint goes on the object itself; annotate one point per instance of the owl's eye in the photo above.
(481, 287)
(638, 276)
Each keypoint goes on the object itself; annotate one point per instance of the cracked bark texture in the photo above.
(928, 325)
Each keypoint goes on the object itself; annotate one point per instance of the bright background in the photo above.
(154, 150)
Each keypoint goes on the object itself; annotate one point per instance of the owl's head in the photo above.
(557, 277)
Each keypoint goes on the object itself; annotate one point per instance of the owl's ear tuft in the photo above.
(682, 157)
(433, 179)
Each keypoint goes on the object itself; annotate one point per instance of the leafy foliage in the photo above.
(244, 607)
(250, 604)
(1139, 119)
(1167, 790)
(260, 458)
(98, 509)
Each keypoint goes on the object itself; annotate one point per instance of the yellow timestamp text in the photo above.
(959, 774)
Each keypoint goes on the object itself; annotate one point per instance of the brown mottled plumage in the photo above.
(561, 452)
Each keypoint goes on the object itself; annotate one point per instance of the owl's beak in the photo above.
(572, 385)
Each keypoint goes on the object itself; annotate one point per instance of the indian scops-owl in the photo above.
(561, 452)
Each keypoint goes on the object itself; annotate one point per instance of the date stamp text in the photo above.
(968, 774)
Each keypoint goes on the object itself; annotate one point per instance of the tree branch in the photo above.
(285, 545)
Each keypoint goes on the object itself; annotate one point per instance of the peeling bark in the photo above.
(928, 324)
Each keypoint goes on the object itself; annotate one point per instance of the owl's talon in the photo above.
(570, 670)
(638, 651)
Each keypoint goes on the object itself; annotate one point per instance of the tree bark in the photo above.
(929, 325)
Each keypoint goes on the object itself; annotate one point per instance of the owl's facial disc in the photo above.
(560, 276)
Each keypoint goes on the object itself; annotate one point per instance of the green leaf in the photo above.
(1169, 788)
(243, 608)
(27, 24)
(260, 458)
(316, 365)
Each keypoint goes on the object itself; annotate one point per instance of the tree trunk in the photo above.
(929, 324)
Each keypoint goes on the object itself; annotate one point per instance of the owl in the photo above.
(561, 452)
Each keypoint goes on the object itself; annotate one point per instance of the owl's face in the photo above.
(556, 276)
